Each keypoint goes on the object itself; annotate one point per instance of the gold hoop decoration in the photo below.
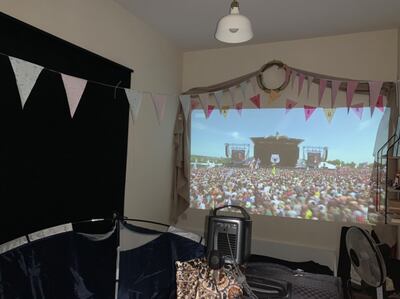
(260, 80)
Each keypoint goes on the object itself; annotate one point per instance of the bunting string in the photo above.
(244, 90)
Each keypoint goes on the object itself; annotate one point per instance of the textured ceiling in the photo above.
(191, 23)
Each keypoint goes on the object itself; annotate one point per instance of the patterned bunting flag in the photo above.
(379, 103)
(308, 111)
(239, 107)
(334, 90)
(74, 88)
(310, 80)
(256, 100)
(358, 109)
(351, 88)
(329, 113)
(301, 82)
(185, 102)
(135, 100)
(224, 111)
(26, 74)
(374, 92)
(243, 87)
(218, 98)
(209, 110)
(204, 99)
(159, 102)
(273, 95)
(290, 105)
(254, 85)
(322, 86)
(194, 104)
(238, 96)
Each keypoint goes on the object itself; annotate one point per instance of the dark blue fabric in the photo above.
(65, 266)
(149, 271)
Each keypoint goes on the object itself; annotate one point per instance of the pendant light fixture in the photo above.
(234, 28)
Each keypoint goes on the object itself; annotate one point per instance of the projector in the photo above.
(230, 236)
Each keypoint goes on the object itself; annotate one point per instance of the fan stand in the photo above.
(379, 292)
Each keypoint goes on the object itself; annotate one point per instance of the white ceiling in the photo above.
(191, 23)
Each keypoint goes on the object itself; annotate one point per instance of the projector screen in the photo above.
(276, 162)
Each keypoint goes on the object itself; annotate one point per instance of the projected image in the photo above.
(277, 163)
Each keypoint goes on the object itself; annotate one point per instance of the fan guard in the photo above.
(365, 257)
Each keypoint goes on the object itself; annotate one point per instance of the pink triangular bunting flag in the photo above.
(358, 109)
(210, 109)
(159, 102)
(351, 88)
(239, 107)
(322, 86)
(256, 100)
(308, 111)
(334, 91)
(301, 82)
(379, 103)
(288, 71)
(374, 92)
(290, 105)
(74, 88)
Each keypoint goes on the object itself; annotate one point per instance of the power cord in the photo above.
(240, 277)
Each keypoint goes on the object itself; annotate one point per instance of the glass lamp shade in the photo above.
(234, 28)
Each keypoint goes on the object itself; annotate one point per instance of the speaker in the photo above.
(229, 235)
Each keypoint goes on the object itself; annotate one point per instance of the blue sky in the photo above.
(347, 137)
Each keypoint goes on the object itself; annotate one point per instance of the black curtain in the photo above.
(55, 169)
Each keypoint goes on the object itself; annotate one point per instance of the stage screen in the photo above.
(276, 162)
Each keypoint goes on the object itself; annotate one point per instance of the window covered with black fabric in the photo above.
(53, 168)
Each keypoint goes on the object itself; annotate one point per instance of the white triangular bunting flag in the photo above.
(218, 98)
(186, 103)
(310, 80)
(204, 100)
(26, 74)
(232, 92)
(374, 92)
(159, 102)
(135, 100)
(74, 88)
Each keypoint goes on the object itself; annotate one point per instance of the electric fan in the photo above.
(366, 258)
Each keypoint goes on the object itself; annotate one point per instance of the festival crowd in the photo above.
(341, 194)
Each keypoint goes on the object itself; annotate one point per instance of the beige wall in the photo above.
(371, 55)
(398, 56)
(104, 27)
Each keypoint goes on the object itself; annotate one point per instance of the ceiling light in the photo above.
(234, 28)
